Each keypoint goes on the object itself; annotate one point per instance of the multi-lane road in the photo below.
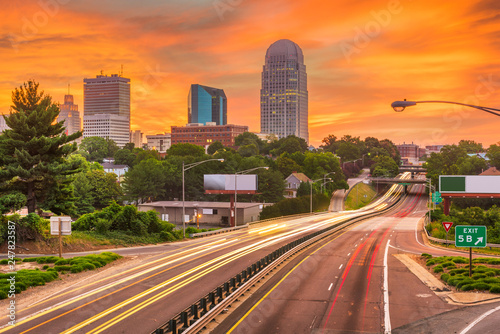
(349, 281)
(354, 283)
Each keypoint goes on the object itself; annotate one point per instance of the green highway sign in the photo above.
(436, 197)
(470, 236)
(404, 184)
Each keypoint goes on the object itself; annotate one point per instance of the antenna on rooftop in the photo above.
(68, 89)
(121, 72)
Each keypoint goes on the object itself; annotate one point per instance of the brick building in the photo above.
(204, 135)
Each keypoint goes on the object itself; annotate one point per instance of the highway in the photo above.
(141, 298)
(352, 282)
(348, 282)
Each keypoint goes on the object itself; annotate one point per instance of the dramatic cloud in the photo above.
(360, 56)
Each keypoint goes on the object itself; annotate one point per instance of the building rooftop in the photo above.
(215, 205)
(287, 48)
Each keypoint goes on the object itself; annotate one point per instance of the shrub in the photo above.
(448, 264)
(438, 269)
(76, 268)
(495, 288)
(459, 259)
(102, 225)
(45, 267)
(427, 256)
(481, 286)
(167, 236)
(61, 262)
(62, 268)
(445, 277)
(458, 271)
(467, 287)
(3, 294)
(464, 282)
(478, 276)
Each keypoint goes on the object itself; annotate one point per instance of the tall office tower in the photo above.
(207, 104)
(136, 138)
(284, 96)
(70, 115)
(106, 102)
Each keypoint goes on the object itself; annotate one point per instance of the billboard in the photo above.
(228, 182)
(469, 184)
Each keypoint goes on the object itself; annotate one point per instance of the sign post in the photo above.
(470, 236)
(60, 226)
(447, 226)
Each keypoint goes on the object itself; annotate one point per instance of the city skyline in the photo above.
(284, 96)
(360, 58)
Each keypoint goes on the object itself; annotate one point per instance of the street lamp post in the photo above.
(311, 196)
(236, 187)
(185, 168)
(399, 106)
(324, 179)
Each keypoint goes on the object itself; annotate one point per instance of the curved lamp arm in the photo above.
(399, 106)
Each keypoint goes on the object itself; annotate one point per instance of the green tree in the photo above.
(104, 187)
(384, 166)
(471, 146)
(151, 180)
(33, 151)
(248, 150)
(271, 186)
(287, 166)
(186, 149)
(125, 157)
(94, 148)
(290, 144)
(112, 147)
(214, 147)
(494, 155)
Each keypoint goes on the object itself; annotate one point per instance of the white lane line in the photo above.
(348, 254)
(475, 322)
(387, 317)
(331, 284)
(341, 266)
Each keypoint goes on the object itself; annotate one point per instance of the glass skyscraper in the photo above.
(284, 96)
(207, 104)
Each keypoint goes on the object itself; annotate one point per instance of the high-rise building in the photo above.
(70, 115)
(107, 95)
(136, 137)
(107, 126)
(207, 104)
(284, 96)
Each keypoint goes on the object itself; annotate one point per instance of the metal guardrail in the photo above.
(452, 242)
(229, 229)
(196, 316)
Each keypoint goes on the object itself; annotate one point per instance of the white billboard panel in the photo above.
(227, 182)
(482, 184)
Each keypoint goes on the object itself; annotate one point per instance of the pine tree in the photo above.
(33, 151)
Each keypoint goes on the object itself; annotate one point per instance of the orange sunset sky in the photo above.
(360, 57)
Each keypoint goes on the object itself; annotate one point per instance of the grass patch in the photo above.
(455, 272)
(359, 196)
(34, 277)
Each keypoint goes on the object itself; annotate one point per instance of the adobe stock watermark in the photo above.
(30, 26)
(152, 79)
(11, 280)
(372, 29)
(454, 117)
(223, 6)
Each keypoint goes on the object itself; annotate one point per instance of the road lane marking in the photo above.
(387, 317)
(341, 266)
(329, 288)
(277, 284)
(475, 322)
(349, 254)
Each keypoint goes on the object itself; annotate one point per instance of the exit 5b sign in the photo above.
(470, 236)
